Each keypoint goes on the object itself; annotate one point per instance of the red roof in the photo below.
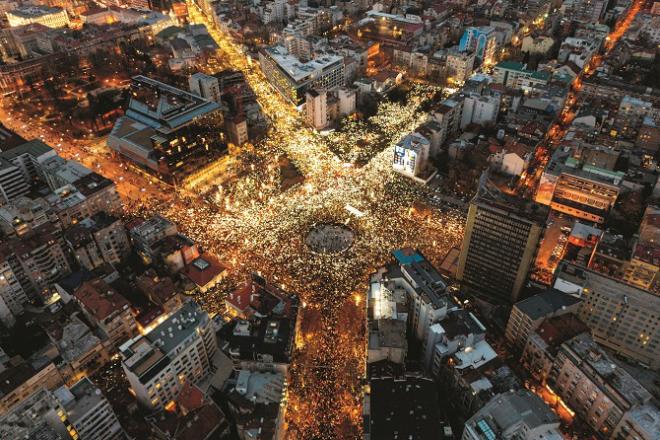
(204, 269)
(190, 398)
(100, 299)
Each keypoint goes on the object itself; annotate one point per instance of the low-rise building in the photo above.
(513, 415)
(528, 314)
(44, 15)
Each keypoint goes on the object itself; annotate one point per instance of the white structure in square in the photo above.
(411, 155)
(180, 349)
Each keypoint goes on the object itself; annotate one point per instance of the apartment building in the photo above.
(528, 314)
(98, 239)
(44, 15)
(460, 66)
(621, 317)
(107, 310)
(180, 349)
(206, 86)
(87, 412)
(593, 386)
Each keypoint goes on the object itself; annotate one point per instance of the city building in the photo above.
(158, 363)
(107, 310)
(20, 381)
(44, 15)
(482, 41)
(38, 416)
(460, 66)
(621, 317)
(500, 244)
(516, 76)
(168, 131)
(97, 240)
(145, 233)
(593, 385)
(12, 294)
(87, 412)
(481, 110)
(513, 415)
(411, 156)
(447, 115)
(12, 181)
(528, 314)
(316, 108)
(543, 344)
(584, 11)
(206, 86)
(581, 182)
(641, 423)
(293, 78)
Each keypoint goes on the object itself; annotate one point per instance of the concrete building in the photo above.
(44, 15)
(621, 317)
(460, 66)
(528, 314)
(145, 233)
(447, 115)
(543, 344)
(158, 363)
(12, 182)
(316, 108)
(293, 77)
(513, 415)
(481, 110)
(168, 131)
(500, 243)
(516, 76)
(537, 45)
(584, 11)
(97, 240)
(88, 412)
(411, 156)
(206, 86)
(107, 310)
(593, 386)
(23, 215)
(581, 182)
(38, 416)
(12, 294)
(640, 423)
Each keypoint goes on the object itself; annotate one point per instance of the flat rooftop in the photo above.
(298, 70)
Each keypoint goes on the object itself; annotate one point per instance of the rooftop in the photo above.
(298, 70)
(405, 408)
(590, 353)
(80, 399)
(100, 300)
(506, 410)
(546, 303)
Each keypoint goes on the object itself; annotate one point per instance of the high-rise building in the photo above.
(501, 238)
(411, 155)
(482, 41)
(459, 66)
(180, 349)
(87, 412)
(316, 107)
(98, 239)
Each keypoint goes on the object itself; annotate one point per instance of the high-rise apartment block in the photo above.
(180, 349)
(500, 243)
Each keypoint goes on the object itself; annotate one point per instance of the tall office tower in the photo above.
(180, 349)
(501, 238)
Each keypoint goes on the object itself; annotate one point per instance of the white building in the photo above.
(47, 16)
(480, 110)
(518, 415)
(206, 86)
(180, 349)
(12, 295)
(88, 412)
(411, 155)
(347, 101)
(12, 182)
